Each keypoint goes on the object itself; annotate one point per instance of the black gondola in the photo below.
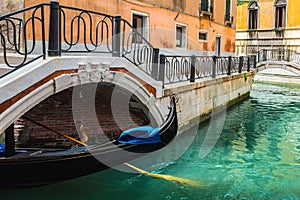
(29, 168)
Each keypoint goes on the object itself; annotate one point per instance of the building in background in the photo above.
(267, 24)
(179, 26)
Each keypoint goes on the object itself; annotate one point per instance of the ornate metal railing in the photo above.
(15, 28)
(278, 55)
(73, 30)
(137, 49)
(85, 31)
(189, 68)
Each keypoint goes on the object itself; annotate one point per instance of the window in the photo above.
(140, 23)
(253, 15)
(181, 31)
(280, 13)
(206, 5)
(228, 16)
(218, 45)
(202, 35)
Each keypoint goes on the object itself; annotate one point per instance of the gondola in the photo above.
(37, 167)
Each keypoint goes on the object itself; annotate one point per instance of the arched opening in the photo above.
(280, 13)
(97, 107)
(253, 15)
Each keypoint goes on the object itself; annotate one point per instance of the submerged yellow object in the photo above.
(167, 177)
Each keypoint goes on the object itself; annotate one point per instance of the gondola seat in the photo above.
(140, 135)
(2, 150)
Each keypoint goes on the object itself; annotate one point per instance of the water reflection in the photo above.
(256, 157)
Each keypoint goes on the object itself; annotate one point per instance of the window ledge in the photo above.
(278, 29)
(251, 30)
(206, 13)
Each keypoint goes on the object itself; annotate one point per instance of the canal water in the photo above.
(257, 156)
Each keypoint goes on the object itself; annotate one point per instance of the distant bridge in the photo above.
(278, 65)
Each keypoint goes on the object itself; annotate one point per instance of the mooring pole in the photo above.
(9, 141)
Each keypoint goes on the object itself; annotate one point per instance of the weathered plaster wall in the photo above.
(163, 16)
(7, 6)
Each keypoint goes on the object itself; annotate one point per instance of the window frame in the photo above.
(183, 34)
(144, 30)
(253, 12)
(280, 8)
(209, 6)
(228, 12)
(201, 31)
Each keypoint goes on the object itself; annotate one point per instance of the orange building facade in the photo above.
(201, 27)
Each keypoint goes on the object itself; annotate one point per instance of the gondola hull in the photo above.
(39, 167)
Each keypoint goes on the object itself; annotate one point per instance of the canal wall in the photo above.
(197, 101)
(34, 93)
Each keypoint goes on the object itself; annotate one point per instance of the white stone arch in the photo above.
(66, 81)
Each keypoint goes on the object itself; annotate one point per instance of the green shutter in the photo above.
(227, 12)
(204, 5)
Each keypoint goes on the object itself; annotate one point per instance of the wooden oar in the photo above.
(167, 177)
(55, 131)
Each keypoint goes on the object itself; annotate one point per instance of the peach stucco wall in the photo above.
(163, 16)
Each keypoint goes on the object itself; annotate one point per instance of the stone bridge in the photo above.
(108, 86)
(278, 66)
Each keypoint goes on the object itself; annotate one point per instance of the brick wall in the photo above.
(56, 113)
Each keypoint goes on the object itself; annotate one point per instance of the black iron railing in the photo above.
(188, 68)
(85, 31)
(15, 28)
(73, 30)
(136, 49)
(278, 55)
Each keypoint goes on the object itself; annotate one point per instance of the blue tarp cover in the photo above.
(140, 135)
(2, 150)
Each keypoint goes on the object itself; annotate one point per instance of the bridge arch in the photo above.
(278, 71)
(119, 77)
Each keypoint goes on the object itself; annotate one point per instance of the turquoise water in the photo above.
(257, 156)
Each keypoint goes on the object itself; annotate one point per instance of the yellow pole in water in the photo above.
(167, 177)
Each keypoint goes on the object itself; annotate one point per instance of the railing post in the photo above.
(155, 61)
(116, 42)
(161, 75)
(241, 63)
(229, 66)
(54, 30)
(9, 141)
(264, 55)
(214, 67)
(248, 63)
(193, 70)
